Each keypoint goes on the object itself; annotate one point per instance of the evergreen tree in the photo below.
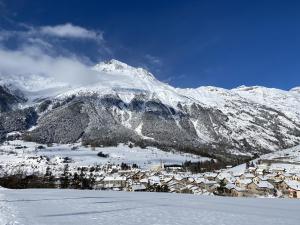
(64, 179)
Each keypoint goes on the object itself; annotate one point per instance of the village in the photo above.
(275, 176)
(253, 180)
(256, 180)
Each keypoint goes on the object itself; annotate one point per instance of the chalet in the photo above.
(258, 179)
(261, 188)
(154, 180)
(242, 183)
(293, 188)
(114, 182)
(283, 187)
(209, 185)
(233, 190)
(138, 175)
(225, 177)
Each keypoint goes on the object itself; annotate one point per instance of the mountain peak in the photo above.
(114, 66)
(117, 64)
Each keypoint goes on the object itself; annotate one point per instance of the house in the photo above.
(138, 176)
(258, 179)
(210, 185)
(154, 180)
(114, 182)
(242, 183)
(283, 187)
(261, 188)
(233, 190)
(225, 177)
(293, 188)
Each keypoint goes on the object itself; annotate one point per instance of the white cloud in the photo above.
(39, 51)
(33, 60)
(69, 30)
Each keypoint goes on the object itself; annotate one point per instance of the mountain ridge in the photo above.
(127, 104)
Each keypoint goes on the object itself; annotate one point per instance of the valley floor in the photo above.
(77, 207)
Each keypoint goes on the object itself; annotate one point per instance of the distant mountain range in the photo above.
(125, 104)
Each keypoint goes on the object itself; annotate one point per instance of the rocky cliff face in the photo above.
(129, 105)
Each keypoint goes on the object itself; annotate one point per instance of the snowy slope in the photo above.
(138, 108)
(126, 81)
(118, 77)
(55, 207)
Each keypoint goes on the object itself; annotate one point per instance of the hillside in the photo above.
(118, 103)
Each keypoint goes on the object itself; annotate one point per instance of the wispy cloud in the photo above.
(52, 38)
(69, 30)
(30, 60)
(39, 51)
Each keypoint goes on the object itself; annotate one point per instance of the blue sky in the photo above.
(184, 43)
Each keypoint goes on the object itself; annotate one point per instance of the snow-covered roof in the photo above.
(144, 180)
(209, 174)
(244, 181)
(265, 185)
(200, 180)
(249, 175)
(232, 186)
(293, 184)
(114, 178)
(154, 179)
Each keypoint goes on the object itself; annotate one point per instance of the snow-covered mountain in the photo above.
(127, 104)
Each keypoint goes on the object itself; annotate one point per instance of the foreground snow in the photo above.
(43, 207)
